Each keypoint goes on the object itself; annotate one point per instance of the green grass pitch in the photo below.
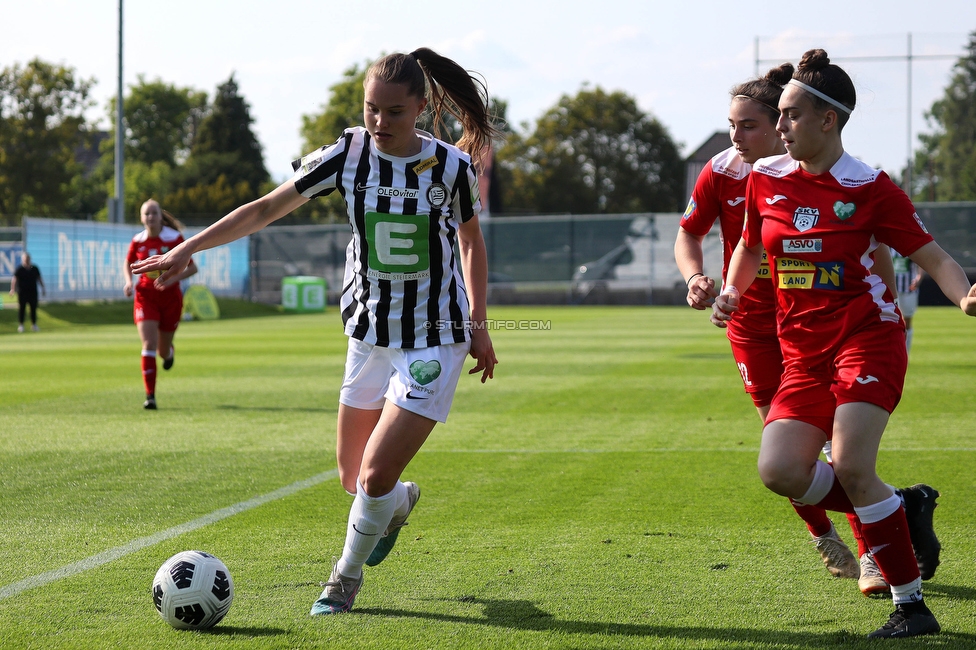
(600, 492)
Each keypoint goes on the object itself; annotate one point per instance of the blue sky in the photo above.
(678, 59)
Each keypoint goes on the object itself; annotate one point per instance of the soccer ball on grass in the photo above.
(192, 590)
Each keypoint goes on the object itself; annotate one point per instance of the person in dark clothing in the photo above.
(24, 284)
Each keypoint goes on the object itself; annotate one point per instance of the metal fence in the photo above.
(570, 259)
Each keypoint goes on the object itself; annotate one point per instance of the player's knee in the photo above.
(777, 476)
(375, 482)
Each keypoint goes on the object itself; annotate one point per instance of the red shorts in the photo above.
(163, 306)
(869, 367)
(760, 363)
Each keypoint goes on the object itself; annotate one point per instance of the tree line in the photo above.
(593, 152)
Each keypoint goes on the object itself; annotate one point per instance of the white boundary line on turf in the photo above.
(138, 544)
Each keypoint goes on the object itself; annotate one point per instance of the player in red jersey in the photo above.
(719, 194)
(819, 214)
(156, 310)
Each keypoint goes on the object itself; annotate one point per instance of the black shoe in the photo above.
(150, 403)
(910, 619)
(168, 363)
(919, 506)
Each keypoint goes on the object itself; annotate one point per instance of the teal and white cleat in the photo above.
(338, 595)
(385, 545)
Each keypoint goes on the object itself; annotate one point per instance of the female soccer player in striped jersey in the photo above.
(412, 311)
(719, 194)
(819, 214)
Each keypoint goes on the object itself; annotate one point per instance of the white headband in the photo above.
(814, 91)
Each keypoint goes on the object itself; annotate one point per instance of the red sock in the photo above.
(817, 521)
(149, 373)
(890, 544)
(836, 500)
(855, 523)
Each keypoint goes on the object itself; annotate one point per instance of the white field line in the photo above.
(137, 544)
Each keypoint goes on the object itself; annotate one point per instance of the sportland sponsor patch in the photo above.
(792, 273)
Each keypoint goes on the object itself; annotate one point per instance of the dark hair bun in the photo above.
(813, 60)
(780, 75)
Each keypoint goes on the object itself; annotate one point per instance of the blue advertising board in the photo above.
(83, 260)
(10, 254)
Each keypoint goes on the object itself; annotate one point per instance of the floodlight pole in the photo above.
(119, 211)
(907, 181)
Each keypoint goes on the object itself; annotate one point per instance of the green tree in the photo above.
(945, 166)
(343, 109)
(225, 167)
(596, 152)
(42, 123)
(226, 129)
(161, 121)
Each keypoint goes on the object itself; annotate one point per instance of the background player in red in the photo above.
(412, 308)
(819, 214)
(719, 194)
(158, 306)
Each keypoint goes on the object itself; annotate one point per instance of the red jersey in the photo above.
(143, 246)
(820, 233)
(720, 193)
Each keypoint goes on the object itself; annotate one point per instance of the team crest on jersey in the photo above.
(802, 245)
(806, 218)
(437, 195)
(844, 211)
(690, 210)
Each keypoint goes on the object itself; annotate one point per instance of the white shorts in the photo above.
(421, 381)
(908, 303)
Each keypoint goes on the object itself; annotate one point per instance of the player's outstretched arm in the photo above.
(247, 219)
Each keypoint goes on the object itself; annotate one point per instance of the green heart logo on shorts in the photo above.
(844, 210)
(425, 371)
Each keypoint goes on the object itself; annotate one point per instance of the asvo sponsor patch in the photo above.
(802, 245)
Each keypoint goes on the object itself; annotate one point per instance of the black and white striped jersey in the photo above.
(403, 286)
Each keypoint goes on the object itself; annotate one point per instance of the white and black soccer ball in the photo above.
(192, 590)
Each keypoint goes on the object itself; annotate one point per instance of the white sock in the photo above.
(877, 511)
(402, 499)
(368, 518)
(908, 338)
(910, 593)
(823, 480)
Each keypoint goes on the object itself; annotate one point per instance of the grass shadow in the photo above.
(525, 615)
